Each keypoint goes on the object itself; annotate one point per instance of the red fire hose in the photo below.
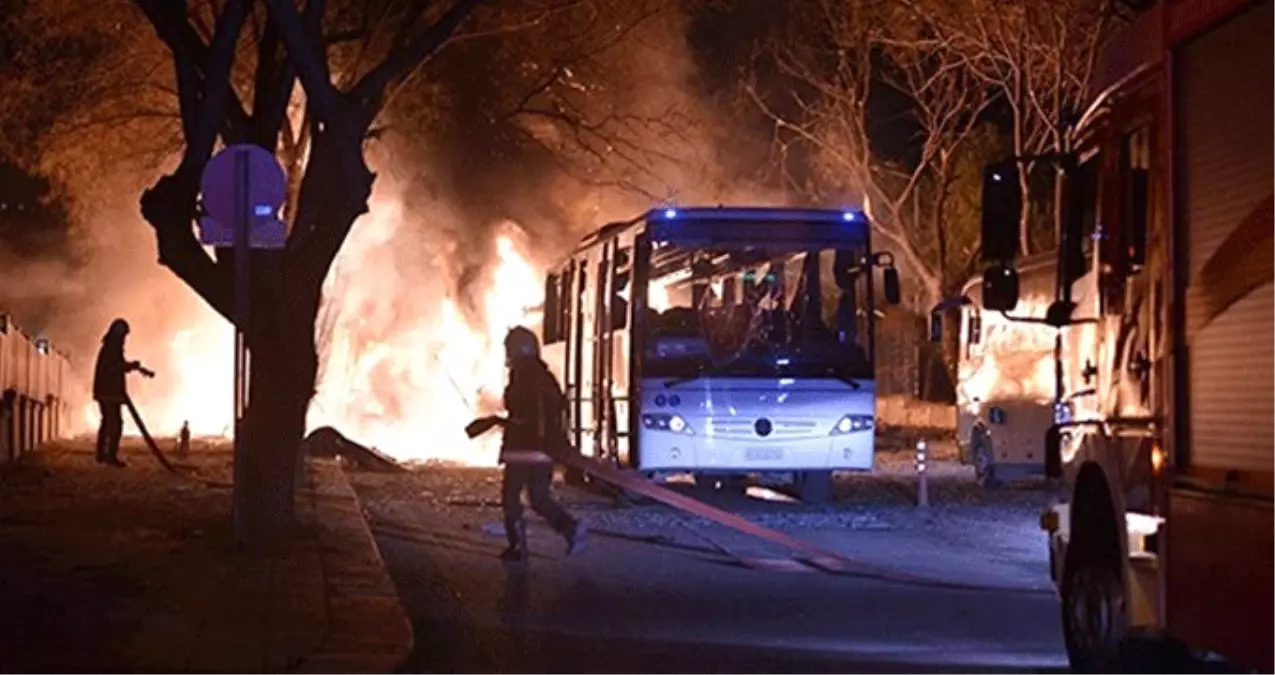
(159, 454)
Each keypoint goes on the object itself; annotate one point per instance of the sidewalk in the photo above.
(133, 570)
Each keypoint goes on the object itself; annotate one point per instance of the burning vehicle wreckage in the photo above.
(330, 443)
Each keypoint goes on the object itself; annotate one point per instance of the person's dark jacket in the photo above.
(535, 404)
(108, 374)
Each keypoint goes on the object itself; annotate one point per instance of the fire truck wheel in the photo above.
(983, 459)
(1093, 603)
(814, 487)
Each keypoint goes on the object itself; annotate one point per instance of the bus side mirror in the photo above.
(1002, 209)
(891, 279)
(1000, 289)
(1053, 452)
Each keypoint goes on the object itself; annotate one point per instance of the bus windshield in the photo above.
(758, 312)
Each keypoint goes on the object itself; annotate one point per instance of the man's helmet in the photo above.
(521, 343)
(119, 328)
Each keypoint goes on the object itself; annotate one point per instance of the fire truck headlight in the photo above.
(666, 422)
(852, 423)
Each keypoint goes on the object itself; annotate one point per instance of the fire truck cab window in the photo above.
(1135, 173)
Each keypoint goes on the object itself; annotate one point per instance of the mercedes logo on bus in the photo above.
(763, 427)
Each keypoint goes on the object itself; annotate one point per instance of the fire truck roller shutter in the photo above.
(1226, 191)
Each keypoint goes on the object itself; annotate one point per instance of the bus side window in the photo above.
(621, 272)
(973, 330)
(551, 323)
(566, 306)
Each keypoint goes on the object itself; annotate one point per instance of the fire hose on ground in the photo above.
(811, 554)
(159, 454)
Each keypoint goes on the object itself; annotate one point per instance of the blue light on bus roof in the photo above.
(849, 216)
(670, 213)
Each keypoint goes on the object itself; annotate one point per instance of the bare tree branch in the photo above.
(370, 90)
(191, 60)
(311, 67)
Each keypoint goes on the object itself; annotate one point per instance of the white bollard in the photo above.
(922, 484)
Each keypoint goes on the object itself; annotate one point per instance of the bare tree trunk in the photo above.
(280, 386)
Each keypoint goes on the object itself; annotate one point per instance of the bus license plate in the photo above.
(763, 454)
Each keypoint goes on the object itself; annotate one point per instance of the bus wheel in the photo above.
(727, 483)
(1093, 607)
(983, 460)
(814, 487)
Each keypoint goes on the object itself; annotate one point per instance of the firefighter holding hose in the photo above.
(110, 391)
(533, 432)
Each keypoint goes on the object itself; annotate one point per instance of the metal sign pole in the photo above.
(243, 188)
(243, 213)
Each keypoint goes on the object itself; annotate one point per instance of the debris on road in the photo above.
(328, 442)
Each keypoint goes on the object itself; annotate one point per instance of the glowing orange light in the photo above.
(1158, 459)
(403, 366)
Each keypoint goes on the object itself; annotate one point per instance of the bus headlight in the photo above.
(666, 422)
(852, 423)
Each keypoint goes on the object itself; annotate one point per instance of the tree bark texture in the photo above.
(327, 192)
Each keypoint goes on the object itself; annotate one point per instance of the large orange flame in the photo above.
(403, 368)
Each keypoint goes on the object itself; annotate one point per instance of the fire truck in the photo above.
(1164, 371)
(34, 386)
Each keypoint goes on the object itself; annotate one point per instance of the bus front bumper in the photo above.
(666, 451)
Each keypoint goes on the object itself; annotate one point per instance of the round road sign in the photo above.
(267, 187)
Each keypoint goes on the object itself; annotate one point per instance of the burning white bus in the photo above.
(744, 335)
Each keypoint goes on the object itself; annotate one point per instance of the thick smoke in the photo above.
(111, 271)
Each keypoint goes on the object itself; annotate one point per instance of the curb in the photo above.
(368, 629)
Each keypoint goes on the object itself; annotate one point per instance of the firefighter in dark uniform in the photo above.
(110, 392)
(535, 406)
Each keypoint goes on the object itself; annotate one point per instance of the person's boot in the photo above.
(576, 536)
(517, 550)
(115, 461)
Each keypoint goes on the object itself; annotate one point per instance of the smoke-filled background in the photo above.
(538, 122)
(480, 188)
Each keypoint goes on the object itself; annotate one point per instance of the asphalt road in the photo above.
(658, 591)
